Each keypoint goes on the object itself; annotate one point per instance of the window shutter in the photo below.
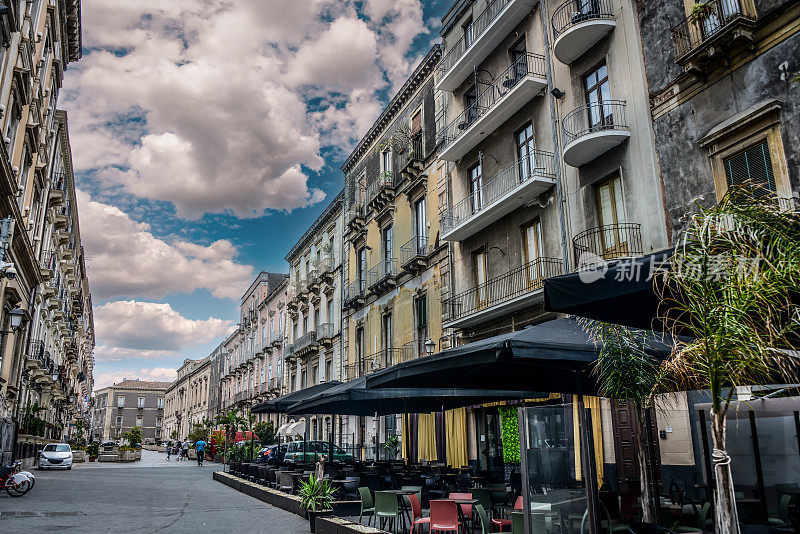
(752, 167)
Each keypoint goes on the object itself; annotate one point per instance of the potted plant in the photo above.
(392, 445)
(316, 499)
(93, 449)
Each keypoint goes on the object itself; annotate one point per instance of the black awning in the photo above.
(555, 356)
(282, 403)
(355, 398)
(623, 292)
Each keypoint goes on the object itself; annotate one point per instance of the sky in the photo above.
(207, 135)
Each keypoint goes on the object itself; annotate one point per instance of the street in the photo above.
(152, 495)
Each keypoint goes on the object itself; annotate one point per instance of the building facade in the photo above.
(130, 403)
(272, 323)
(187, 398)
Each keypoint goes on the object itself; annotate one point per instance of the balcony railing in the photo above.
(597, 117)
(306, 340)
(355, 290)
(385, 269)
(324, 331)
(479, 25)
(573, 12)
(608, 242)
(274, 382)
(527, 65)
(414, 151)
(709, 22)
(538, 164)
(325, 266)
(524, 279)
(416, 247)
(384, 179)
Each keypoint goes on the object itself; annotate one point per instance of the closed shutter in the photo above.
(752, 167)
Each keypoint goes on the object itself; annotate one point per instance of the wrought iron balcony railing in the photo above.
(510, 285)
(355, 290)
(608, 242)
(476, 29)
(710, 20)
(305, 341)
(538, 164)
(383, 179)
(597, 117)
(385, 269)
(527, 65)
(415, 247)
(573, 12)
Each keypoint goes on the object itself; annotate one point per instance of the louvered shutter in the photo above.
(751, 167)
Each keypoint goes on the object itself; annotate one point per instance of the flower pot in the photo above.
(92, 458)
(312, 517)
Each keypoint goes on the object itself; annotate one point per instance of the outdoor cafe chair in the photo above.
(466, 509)
(286, 482)
(416, 514)
(386, 509)
(500, 522)
(350, 485)
(444, 516)
(483, 517)
(484, 496)
(262, 475)
(367, 504)
(417, 491)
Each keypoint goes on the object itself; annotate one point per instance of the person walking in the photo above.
(200, 447)
(169, 449)
(186, 450)
(178, 451)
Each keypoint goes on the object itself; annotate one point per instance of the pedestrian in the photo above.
(200, 447)
(186, 450)
(178, 451)
(169, 449)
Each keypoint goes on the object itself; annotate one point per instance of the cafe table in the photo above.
(464, 501)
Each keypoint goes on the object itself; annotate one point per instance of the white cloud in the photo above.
(160, 374)
(152, 327)
(125, 259)
(197, 101)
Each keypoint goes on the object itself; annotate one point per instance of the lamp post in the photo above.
(16, 316)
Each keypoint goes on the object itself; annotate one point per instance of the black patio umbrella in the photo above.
(282, 403)
(625, 292)
(556, 356)
(355, 398)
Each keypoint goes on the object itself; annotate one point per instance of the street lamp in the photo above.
(430, 346)
(17, 315)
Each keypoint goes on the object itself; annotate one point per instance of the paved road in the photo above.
(153, 495)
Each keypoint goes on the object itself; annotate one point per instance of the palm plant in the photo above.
(316, 494)
(228, 420)
(734, 285)
(626, 372)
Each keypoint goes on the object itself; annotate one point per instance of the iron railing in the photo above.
(324, 331)
(359, 368)
(514, 283)
(538, 164)
(573, 12)
(306, 340)
(415, 150)
(415, 247)
(708, 22)
(596, 117)
(386, 268)
(382, 180)
(607, 242)
(48, 259)
(36, 351)
(474, 33)
(355, 289)
(325, 266)
(527, 65)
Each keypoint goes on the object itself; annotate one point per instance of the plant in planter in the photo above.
(509, 427)
(392, 445)
(701, 11)
(93, 449)
(316, 498)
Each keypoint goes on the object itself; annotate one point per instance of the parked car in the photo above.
(271, 454)
(55, 455)
(308, 451)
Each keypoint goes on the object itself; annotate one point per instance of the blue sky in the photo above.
(206, 136)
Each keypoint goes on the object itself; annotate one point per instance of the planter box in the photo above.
(127, 456)
(137, 455)
(192, 454)
(78, 456)
(105, 457)
(340, 525)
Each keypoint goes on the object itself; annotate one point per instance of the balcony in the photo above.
(354, 293)
(414, 254)
(504, 294)
(326, 270)
(412, 157)
(578, 25)
(489, 28)
(592, 130)
(512, 188)
(710, 30)
(510, 91)
(274, 383)
(305, 343)
(382, 276)
(325, 334)
(380, 192)
(597, 245)
(313, 281)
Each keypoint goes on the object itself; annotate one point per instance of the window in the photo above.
(421, 322)
(303, 379)
(294, 330)
(362, 268)
(471, 107)
(476, 187)
(752, 167)
(421, 223)
(519, 62)
(532, 236)
(469, 32)
(138, 420)
(612, 214)
(386, 164)
(316, 318)
(119, 420)
(158, 422)
(315, 373)
(387, 249)
(386, 331)
(305, 324)
(526, 152)
(416, 134)
(360, 343)
(140, 402)
(330, 246)
(329, 311)
(479, 268)
(121, 401)
(598, 98)
(328, 369)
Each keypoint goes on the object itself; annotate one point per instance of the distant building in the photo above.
(187, 398)
(132, 402)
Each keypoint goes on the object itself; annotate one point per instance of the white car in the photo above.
(56, 455)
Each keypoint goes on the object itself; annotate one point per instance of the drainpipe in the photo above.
(556, 144)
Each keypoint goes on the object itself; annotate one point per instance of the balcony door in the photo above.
(471, 107)
(386, 332)
(611, 209)
(387, 249)
(421, 223)
(585, 9)
(519, 62)
(532, 235)
(526, 152)
(476, 187)
(598, 98)
(361, 268)
(386, 166)
(479, 265)
(421, 322)
(359, 352)
(416, 134)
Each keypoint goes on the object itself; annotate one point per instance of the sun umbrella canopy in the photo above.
(355, 398)
(556, 356)
(280, 404)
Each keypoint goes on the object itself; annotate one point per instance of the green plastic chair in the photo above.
(484, 518)
(367, 504)
(417, 491)
(517, 523)
(484, 497)
(538, 524)
(386, 509)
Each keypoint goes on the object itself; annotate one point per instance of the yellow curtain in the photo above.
(426, 432)
(455, 423)
(592, 403)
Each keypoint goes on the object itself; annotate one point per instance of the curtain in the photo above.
(456, 428)
(426, 432)
(441, 436)
(403, 435)
(593, 403)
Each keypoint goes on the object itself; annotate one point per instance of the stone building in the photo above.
(187, 398)
(130, 403)
(272, 318)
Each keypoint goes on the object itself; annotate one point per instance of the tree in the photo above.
(229, 420)
(198, 432)
(134, 436)
(735, 273)
(265, 431)
(626, 372)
